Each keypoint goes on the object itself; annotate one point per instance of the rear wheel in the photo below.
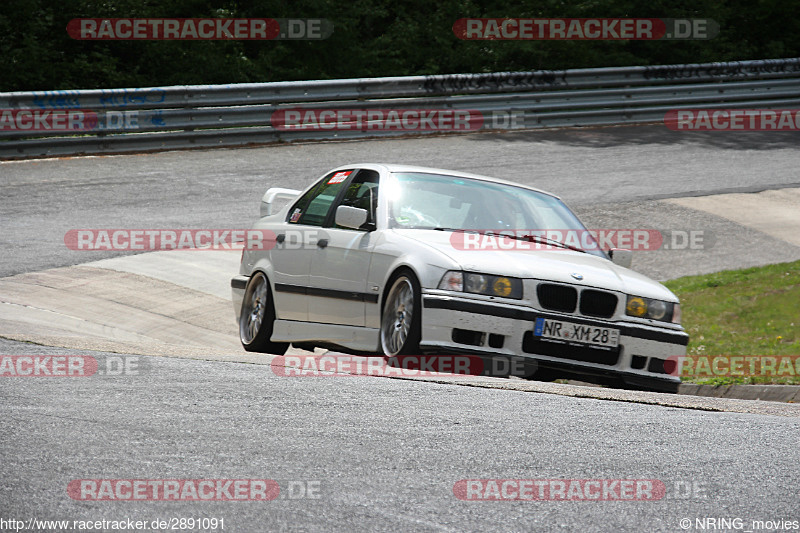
(401, 319)
(257, 318)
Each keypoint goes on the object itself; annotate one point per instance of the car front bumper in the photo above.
(455, 324)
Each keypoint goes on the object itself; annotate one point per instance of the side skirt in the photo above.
(352, 337)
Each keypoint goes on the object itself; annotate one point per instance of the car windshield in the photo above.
(436, 201)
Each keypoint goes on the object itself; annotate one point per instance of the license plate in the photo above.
(547, 328)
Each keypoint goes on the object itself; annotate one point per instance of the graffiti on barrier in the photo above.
(734, 69)
(57, 99)
(496, 81)
(124, 97)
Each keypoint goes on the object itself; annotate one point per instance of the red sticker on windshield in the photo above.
(340, 176)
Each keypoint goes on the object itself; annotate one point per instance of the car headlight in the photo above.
(655, 309)
(475, 283)
(487, 284)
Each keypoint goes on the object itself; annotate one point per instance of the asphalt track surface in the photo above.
(386, 453)
(611, 176)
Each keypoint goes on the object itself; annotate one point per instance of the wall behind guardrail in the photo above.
(202, 116)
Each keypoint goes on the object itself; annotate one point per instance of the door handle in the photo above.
(322, 243)
(280, 238)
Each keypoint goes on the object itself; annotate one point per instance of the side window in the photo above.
(312, 208)
(363, 193)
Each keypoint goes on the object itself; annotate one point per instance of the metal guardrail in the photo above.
(163, 118)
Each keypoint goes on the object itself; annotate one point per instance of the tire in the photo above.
(401, 316)
(257, 318)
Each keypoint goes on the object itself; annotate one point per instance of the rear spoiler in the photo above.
(273, 194)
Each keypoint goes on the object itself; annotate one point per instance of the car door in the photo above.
(296, 243)
(338, 292)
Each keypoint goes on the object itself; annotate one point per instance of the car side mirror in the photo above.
(351, 217)
(621, 257)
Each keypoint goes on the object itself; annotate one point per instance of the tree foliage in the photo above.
(372, 38)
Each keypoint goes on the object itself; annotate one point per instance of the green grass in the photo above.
(755, 311)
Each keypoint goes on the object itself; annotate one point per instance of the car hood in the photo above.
(552, 264)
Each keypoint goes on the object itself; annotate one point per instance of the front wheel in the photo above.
(257, 317)
(401, 320)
